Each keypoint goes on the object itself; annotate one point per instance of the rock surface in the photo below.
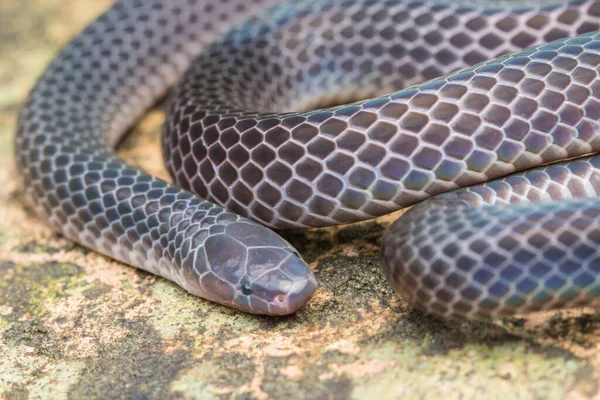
(75, 324)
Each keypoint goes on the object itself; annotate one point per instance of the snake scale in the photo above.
(493, 107)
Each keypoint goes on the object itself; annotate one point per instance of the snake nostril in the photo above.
(280, 298)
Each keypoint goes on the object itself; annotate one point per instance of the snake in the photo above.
(482, 115)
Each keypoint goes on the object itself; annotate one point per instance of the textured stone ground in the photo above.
(75, 324)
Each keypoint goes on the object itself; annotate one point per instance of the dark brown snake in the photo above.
(243, 133)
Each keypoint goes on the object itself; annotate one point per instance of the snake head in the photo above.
(250, 268)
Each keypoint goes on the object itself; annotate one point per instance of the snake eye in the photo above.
(246, 289)
(245, 286)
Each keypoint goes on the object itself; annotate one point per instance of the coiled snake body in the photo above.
(235, 137)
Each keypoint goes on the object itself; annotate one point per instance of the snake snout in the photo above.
(284, 288)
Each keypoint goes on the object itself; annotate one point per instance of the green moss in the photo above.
(32, 285)
(137, 366)
(357, 279)
(36, 247)
(18, 392)
(474, 371)
(177, 311)
(313, 384)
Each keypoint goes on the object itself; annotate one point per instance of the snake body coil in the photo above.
(234, 136)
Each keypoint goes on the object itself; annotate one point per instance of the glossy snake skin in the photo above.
(234, 136)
